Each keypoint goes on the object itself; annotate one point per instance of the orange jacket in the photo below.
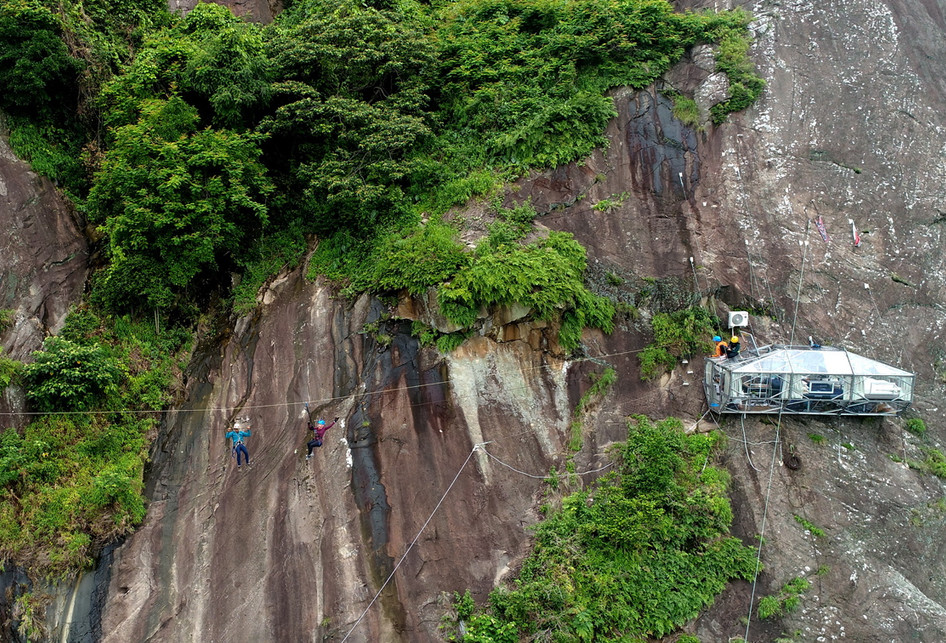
(721, 349)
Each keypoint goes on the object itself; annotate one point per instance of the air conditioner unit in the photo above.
(738, 318)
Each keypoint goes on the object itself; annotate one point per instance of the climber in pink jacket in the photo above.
(319, 430)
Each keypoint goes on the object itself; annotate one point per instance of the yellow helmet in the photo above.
(734, 339)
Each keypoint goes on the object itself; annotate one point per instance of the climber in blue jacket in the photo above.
(239, 447)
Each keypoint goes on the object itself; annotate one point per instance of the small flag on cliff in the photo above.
(819, 222)
(855, 233)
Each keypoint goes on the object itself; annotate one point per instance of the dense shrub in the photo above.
(420, 261)
(638, 555)
(545, 276)
(176, 202)
(677, 335)
(65, 376)
(37, 74)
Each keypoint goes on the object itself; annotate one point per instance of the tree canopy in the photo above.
(175, 202)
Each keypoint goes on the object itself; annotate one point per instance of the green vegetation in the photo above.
(815, 531)
(601, 383)
(28, 612)
(684, 109)
(637, 555)
(6, 318)
(545, 275)
(787, 600)
(744, 86)
(677, 336)
(935, 463)
(71, 482)
(210, 153)
(605, 205)
(9, 370)
(226, 143)
(347, 120)
(817, 438)
(916, 426)
(66, 376)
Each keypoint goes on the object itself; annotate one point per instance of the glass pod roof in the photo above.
(832, 361)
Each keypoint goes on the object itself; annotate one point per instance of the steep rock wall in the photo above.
(290, 549)
(43, 256)
(849, 127)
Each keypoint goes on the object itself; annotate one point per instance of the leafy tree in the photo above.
(210, 58)
(37, 74)
(175, 203)
(350, 100)
(66, 376)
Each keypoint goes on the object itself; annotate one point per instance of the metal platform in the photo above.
(820, 380)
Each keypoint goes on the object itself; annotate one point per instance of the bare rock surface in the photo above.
(43, 263)
(262, 11)
(301, 547)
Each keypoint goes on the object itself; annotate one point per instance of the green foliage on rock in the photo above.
(176, 202)
(40, 81)
(733, 60)
(916, 426)
(348, 109)
(54, 57)
(787, 600)
(420, 261)
(545, 276)
(72, 481)
(677, 335)
(9, 370)
(637, 555)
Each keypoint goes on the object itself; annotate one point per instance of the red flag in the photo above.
(824, 233)
(855, 234)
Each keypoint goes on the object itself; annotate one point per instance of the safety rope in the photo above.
(777, 441)
(413, 542)
(745, 441)
(546, 476)
(765, 512)
(325, 400)
(801, 278)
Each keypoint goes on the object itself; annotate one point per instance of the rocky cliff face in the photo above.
(850, 127)
(290, 549)
(253, 10)
(43, 262)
